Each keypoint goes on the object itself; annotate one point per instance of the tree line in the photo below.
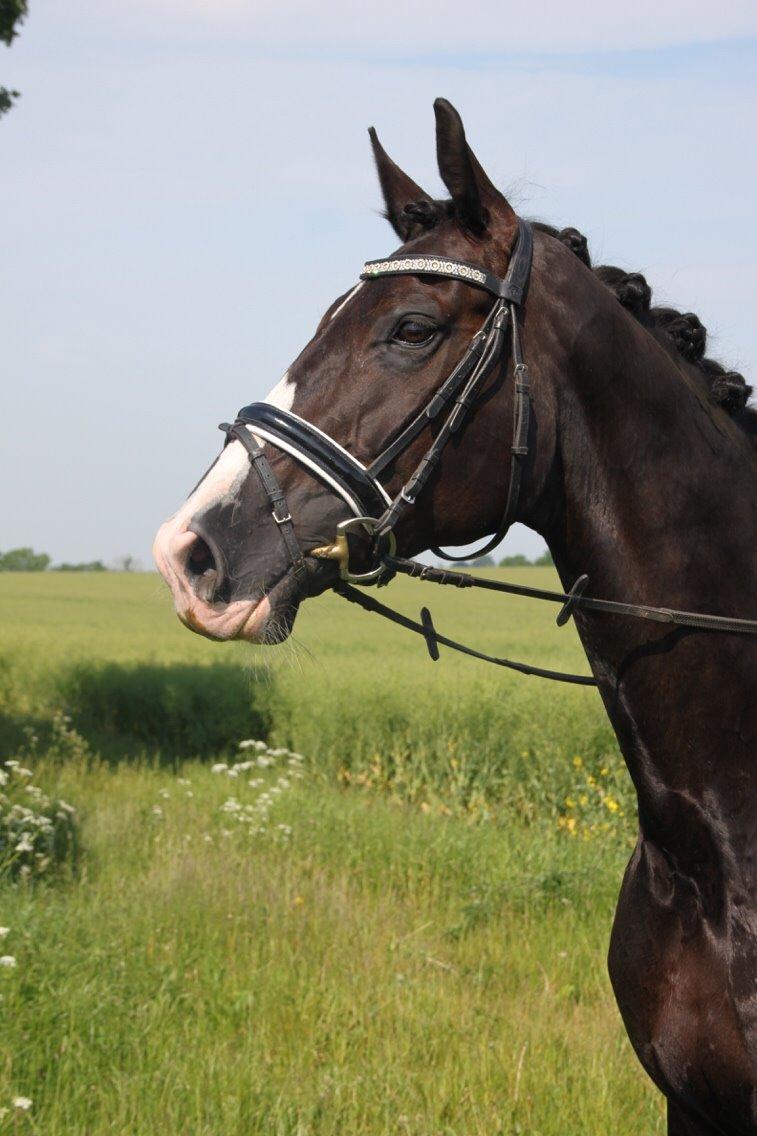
(518, 560)
(27, 560)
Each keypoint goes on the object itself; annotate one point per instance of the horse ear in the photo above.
(398, 189)
(474, 196)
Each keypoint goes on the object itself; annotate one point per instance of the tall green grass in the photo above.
(414, 944)
(380, 970)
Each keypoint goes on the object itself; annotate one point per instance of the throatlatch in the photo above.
(376, 514)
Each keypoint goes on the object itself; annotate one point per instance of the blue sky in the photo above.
(172, 162)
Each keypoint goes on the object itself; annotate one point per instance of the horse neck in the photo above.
(656, 500)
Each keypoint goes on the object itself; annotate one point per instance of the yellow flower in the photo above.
(583, 800)
(604, 771)
(612, 804)
(570, 803)
(577, 762)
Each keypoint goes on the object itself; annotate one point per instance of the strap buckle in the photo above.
(340, 550)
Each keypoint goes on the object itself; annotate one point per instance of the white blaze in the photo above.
(223, 481)
(347, 299)
(283, 393)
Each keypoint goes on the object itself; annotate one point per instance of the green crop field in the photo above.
(403, 932)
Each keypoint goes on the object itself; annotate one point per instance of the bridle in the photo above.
(377, 515)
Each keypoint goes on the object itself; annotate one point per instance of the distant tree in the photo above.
(126, 564)
(23, 560)
(479, 562)
(545, 560)
(85, 566)
(518, 560)
(12, 13)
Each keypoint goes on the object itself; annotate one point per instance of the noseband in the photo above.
(377, 514)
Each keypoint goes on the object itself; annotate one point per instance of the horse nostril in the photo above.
(203, 572)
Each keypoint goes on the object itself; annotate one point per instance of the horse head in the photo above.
(252, 539)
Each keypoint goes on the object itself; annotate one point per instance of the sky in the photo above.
(173, 165)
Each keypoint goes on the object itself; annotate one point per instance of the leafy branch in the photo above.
(12, 13)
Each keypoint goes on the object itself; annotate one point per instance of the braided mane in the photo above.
(682, 332)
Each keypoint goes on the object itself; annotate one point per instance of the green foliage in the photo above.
(85, 566)
(23, 560)
(358, 967)
(516, 561)
(173, 711)
(408, 939)
(38, 833)
(545, 560)
(12, 12)
(7, 98)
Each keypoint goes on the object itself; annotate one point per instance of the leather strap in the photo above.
(702, 621)
(433, 639)
(272, 489)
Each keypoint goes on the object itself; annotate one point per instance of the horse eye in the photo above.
(414, 331)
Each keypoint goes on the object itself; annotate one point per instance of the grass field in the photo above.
(405, 934)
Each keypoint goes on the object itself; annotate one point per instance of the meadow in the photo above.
(403, 930)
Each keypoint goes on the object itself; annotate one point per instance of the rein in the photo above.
(376, 514)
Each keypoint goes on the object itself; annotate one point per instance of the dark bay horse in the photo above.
(633, 476)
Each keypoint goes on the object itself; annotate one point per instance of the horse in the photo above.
(632, 476)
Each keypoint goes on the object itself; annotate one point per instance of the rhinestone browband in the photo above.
(436, 265)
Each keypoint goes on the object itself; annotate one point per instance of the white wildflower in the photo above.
(65, 806)
(4, 931)
(164, 794)
(157, 811)
(8, 961)
(25, 844)
(3, 777)
(11, 764)
(24, 1103)
(22, 772)
(219, 767)
(183, 781)
(264, 762)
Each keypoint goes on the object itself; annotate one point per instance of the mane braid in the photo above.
(683, 332)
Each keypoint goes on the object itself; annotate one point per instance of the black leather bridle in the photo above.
(377, 514)
(358, 485)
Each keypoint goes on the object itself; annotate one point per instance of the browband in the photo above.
(511, 288)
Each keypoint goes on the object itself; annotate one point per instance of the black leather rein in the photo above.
(376, 514)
